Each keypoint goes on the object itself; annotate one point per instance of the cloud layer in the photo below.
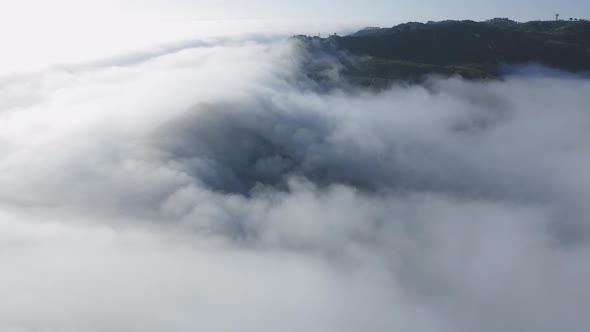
(217, 188)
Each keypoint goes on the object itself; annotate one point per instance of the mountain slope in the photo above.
(470, 49)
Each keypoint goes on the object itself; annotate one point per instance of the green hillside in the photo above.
(470, 49)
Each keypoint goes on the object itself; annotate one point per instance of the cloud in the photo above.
(217, 187)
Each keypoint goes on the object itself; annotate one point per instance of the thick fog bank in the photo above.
(218, 188)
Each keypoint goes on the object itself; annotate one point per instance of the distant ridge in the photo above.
(471, 49)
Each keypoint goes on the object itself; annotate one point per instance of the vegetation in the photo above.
(467, 48)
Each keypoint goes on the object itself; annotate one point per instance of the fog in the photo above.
(213, 186)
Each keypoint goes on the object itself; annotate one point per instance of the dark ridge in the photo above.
(473, 50)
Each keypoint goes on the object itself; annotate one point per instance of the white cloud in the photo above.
(216, 188)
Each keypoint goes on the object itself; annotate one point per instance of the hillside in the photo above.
(470, 49)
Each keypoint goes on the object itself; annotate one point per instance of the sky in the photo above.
(394, 10)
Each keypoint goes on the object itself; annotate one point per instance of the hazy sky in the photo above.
(394, 10)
